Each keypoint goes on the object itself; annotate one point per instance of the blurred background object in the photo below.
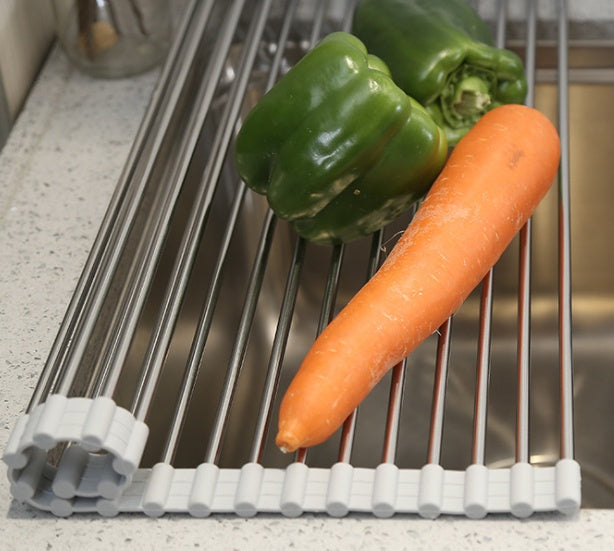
(113, 38)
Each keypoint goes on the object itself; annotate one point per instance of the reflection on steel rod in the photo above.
(349, 426)
(104, 255)
(200, 336)
(277, 351)
(330, 291)
(283, 38)
(483, 372)
(393, 417)
(292, 285)
(483, 362)
(531, 50)
(348, 431)
(346, 24)
(287, 308)
(188, 248)
(240, 345)
(439, 393)
(523, 361)
(328, 306)
(318, 19)
(565, 343)
(501, 22)
(524, 291)
(157, 225)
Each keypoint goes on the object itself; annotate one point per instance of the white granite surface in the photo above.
(57, 174)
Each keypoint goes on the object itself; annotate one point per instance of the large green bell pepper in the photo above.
(337, 147)
(441, 53)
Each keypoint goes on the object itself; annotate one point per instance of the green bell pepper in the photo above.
(336, 146)
(442, 54)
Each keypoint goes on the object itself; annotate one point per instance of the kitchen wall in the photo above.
(26, 31)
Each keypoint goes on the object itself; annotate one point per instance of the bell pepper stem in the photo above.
(471, 97)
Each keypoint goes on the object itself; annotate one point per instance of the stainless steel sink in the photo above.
(227, 417)
(591, 117)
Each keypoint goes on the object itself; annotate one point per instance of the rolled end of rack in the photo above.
(62, 421)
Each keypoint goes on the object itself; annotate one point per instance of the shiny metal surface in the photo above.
(5, 116)
(226, 300)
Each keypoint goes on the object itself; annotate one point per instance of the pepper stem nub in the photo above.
(471, 97)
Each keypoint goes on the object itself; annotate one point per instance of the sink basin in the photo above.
(591, 115)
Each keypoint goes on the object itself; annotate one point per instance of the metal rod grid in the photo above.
(66, 355)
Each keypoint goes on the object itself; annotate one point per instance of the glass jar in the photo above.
(113, 38)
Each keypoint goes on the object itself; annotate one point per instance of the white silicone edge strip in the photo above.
(98, 473)
(343, 489)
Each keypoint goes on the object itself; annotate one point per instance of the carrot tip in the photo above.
(286, 443)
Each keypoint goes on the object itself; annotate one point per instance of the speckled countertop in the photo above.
(57, 173)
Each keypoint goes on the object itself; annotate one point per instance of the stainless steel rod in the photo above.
(240, 345)
(278, 350)
(301, 455)
(328, 306)
(124, 203)
(173, 297)
(393, 416)
(485, 331)
(204, 323)
(346, 24)
(565, 327)
(124, 226)
(327, 310)
(524, 351)
(501, 23)
(101, 286)
(234, 366)
(192, 32)
(289, 299)
(318, 19)
(524, 291)
(531, 51)
(157, 226)
(348, 431)
(281, 43)
(200, 337)
(480, 414)
(439, 393)
(349, 425)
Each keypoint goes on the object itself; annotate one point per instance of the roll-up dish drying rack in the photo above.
(196, 304)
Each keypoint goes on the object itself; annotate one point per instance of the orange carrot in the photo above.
(490, 186)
